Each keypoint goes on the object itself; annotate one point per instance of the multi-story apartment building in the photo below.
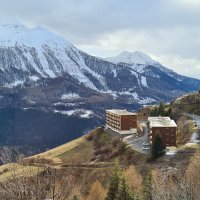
(165, 127)
(121, 121)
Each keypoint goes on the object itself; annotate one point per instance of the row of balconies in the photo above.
(112, 114)
(111, 117)
(114, 126)
(113, 122)
(116, 119)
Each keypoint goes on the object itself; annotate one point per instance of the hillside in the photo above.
(189, 103)
(89, 161)
(96, 148)
(88, 158)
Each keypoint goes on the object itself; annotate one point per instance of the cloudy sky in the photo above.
(167, 30)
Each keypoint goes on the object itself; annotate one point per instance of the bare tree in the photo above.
(23, 181)
(179, 185)
(185, 128)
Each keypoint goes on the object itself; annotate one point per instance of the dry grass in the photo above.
(57, 155)
(11, 170)
(78, 154)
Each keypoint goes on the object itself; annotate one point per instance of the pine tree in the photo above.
(169, 111)
(124, 192)
(158, 149)
(161, 109)
(113, 185)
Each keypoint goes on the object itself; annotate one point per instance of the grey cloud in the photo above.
(159, 27)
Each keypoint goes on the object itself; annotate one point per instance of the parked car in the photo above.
(145, 144)
(146, 148)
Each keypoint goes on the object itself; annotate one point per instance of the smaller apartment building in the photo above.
(165, 127)
(121, 120)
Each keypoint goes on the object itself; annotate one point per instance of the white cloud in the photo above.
(185, 66)
(191, 3)
(105, 28)
(176, 48)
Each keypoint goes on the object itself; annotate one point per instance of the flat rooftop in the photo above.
(161, 122)
(121, 112)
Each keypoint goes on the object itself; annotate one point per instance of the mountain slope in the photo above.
(29, 56)
(42, 73)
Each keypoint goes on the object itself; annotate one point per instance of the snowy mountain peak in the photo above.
(37, 52)
(13, 32)
(10, 22)
(136, 57)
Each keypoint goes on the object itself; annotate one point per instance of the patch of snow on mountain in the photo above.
(146, 100)
(139, 68)
(34, 78)
(133, 94)
(114, 72)
(14, 84)
(79, 112)
(144, 81)
(87, 114)
(70, 96)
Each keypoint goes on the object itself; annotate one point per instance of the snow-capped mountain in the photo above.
(37, 53)
(48, 86)
(136, 57)
(43, 68)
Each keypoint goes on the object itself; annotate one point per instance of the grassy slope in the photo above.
(13, 170)
(76, 149)
(188, 103)
(80, 151)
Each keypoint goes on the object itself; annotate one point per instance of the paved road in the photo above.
(136, 142)
(195, 134)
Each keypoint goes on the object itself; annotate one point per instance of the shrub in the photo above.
(121, 148)
(115, 142)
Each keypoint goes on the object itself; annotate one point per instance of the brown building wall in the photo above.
(167, 134)
(128, 122)
(121, 122)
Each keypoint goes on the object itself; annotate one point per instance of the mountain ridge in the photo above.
(35, 55)
(47, 83)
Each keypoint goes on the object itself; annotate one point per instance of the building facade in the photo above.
(121, 121)
(165, 127)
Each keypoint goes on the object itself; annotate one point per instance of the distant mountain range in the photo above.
(31, 59)
(40, 70)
